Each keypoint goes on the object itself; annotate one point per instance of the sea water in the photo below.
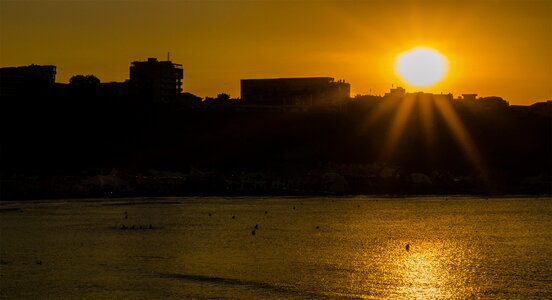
(277, 248)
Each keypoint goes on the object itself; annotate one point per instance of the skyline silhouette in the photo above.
(168, 79)
(145, 136)
(493, 48)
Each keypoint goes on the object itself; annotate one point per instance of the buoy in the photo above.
(233, 217)
(253, 232)
(317, 227)
(256, 226)
(407, 247)
(266, 212)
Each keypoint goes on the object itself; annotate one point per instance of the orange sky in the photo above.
(494, 47)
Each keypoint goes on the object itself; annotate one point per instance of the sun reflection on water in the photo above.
(420, 273)
(427, 270)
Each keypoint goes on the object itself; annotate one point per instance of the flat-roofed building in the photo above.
(294, 91)
(397, 92)
(16, 81)
(469, 97)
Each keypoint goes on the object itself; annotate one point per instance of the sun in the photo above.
(421, 66)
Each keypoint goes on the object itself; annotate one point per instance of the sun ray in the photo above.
(462, 136)
(397, 126)
(426, 118)
(377, 113)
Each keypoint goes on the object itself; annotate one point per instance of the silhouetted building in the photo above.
(400, 93)
(539, 109)
(436, 97)
(397, 92)
(469, 97)
(294, 91)
(493, 102)
(16, 81)
(158, 81)
(115, 88)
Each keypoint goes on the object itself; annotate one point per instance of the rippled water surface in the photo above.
(303, 248)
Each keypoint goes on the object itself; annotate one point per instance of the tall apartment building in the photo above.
(158, 81)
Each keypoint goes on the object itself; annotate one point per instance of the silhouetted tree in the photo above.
(84, 80)
(223, 97)
(85, 87)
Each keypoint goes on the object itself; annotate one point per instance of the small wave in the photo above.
(139, 203)
(291, 291)
(10, 209)
(227, 281)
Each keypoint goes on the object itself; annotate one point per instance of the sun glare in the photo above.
(421, 66)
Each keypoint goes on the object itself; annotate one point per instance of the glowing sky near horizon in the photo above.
(493, 47)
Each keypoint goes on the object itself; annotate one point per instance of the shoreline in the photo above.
(145, 200)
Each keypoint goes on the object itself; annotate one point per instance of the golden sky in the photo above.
(501, 48)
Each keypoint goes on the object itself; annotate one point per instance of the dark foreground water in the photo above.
(303, 248)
